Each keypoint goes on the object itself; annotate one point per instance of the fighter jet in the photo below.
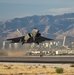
(33, 37)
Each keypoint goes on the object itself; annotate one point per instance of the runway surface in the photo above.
(50, 59)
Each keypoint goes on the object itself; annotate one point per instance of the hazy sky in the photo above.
(20, 8)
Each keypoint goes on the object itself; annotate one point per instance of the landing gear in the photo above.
(23, 43)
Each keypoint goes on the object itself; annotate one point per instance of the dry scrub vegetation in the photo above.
(32, 69)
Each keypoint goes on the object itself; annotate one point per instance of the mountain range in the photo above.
(51, 26)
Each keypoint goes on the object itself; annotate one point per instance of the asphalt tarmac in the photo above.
(50, 59)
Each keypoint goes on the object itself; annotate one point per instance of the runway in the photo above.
(50, 59)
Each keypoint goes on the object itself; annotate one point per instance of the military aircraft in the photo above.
(33, 37)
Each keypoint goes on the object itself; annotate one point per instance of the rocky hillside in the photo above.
(50, 26)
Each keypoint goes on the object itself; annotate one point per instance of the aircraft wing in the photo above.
(16, 40)
(41, 39)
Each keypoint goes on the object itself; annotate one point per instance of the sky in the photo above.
(10, 9)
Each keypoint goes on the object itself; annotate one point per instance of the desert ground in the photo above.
(34, 69)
